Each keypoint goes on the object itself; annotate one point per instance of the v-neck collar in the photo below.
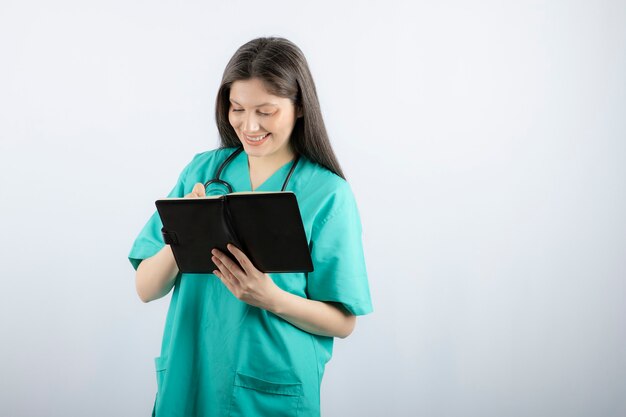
(239, 175)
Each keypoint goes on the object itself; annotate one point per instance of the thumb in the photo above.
(198, 190)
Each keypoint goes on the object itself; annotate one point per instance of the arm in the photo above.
(258, 289)
(156, 275)
(322, 318)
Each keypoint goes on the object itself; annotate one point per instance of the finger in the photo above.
(242, 258)
(223, 272)
(232, 266)
(225, 281)
(226, 272)
(198, 190)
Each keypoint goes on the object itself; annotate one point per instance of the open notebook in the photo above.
(266, 226)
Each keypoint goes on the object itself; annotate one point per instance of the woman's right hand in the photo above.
(198, 191)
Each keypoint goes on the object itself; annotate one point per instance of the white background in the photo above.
(484, 141)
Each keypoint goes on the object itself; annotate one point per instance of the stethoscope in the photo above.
(230, 158)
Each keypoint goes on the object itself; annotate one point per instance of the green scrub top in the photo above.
(223, 357)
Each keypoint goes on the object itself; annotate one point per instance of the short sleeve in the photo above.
(150, 240)
(340, 273)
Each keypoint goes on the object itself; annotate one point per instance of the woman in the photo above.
(240, 342)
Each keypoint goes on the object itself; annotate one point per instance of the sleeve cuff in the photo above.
(139, 253)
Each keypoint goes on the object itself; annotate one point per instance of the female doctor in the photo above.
(240, 342)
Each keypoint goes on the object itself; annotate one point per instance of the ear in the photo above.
(299, 113)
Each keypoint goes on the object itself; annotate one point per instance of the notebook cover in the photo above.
(267, 226)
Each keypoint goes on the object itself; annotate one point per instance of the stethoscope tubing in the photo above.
(230, 158)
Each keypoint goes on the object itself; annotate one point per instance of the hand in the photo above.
(246, 283)
(198, 191)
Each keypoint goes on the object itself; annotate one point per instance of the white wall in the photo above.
(485, 142)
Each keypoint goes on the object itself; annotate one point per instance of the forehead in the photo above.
(253, 93)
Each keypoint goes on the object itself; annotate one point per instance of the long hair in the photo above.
(282, 67)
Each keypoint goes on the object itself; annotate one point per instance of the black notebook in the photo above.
(266, 226)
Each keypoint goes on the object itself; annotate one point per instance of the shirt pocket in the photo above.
(160, 364)
(254, 396)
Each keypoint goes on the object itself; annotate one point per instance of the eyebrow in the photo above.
(260, 105)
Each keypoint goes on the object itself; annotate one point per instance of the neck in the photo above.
(271, 162)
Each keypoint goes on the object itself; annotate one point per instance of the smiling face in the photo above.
(263, 122)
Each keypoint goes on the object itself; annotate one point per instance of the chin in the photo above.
(262, 150)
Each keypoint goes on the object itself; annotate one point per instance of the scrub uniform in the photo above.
(223, 357)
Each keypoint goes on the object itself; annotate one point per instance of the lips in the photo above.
(256, 140)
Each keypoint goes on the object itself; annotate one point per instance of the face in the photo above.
(263, 122)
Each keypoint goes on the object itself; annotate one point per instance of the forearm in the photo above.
(156, 275)
(318, 317)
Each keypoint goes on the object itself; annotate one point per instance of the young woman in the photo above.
(240, 342)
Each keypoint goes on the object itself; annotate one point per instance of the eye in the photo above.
(261, 113)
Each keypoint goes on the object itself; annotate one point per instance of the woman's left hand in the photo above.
(246, 282)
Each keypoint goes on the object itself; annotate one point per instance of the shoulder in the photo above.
(331, 193)
(320, 180)
(207, 161)
(210, 156)
(202, 164)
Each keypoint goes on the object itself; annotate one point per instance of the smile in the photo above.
(256, 139)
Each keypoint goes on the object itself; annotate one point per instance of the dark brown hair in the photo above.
(282, 67)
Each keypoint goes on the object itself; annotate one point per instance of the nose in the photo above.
(250, 124)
